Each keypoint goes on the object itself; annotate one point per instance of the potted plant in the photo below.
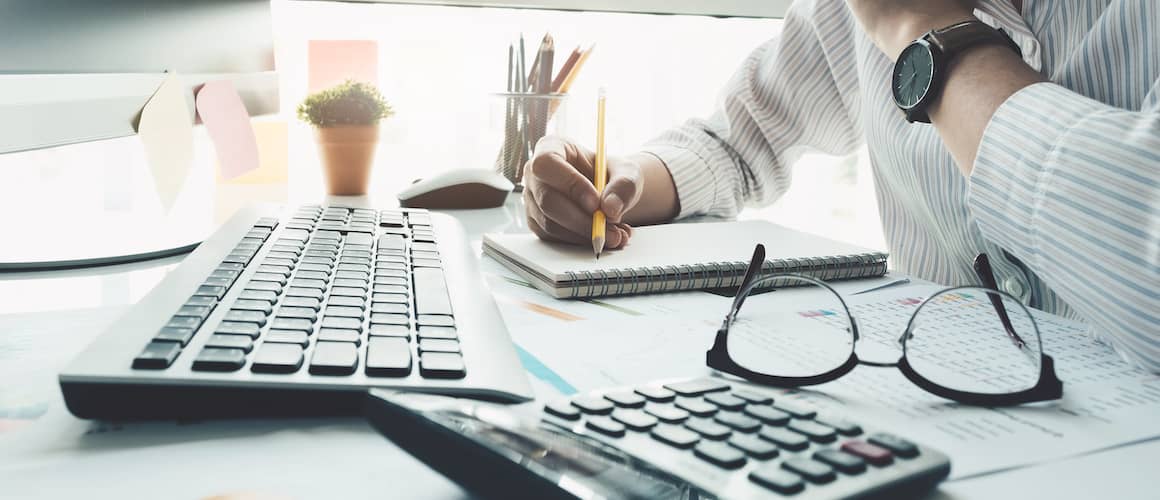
(346, 126)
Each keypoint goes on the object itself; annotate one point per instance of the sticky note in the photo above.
(273, 155)
(330, 62)
(166, 131)
(228, 123)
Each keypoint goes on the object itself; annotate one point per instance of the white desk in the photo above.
(56, 455)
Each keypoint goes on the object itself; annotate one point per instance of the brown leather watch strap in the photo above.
(959, 36)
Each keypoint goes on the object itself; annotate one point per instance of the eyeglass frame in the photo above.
(1047, 388)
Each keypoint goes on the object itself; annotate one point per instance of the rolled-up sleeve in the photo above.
(1071, 187)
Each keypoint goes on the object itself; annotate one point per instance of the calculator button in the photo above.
(874, 454)
(625, 399)
(767, 414)
(594, 405)
(789, 440)
(773, 477)
(725, 401)
(844, 462)
(795, 410)
(675, 436)
(813, 471)
(720, 454)
(708, 428)
(563, 410)
(697, 387)
(738, 421)
(814, 431)
(658, 394)
(696, 406)
(635, 419)
(605, 425)
(753, 397)
(844, 427)
(753, 446)
(895, 444)
(667, 413)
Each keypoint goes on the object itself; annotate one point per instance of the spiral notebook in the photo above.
(677, 257)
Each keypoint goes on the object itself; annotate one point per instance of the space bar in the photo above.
(431, 291)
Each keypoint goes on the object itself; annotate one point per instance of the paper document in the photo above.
(228, 123)
(166, 131)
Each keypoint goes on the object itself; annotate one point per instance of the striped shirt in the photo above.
(1065, 191)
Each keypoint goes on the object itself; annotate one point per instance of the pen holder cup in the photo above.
(525, 119)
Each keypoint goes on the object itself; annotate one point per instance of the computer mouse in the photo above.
(462, 188)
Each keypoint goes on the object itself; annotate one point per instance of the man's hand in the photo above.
(893, 24)
(560, 198)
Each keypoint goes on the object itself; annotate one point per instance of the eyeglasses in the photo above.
(972, 345)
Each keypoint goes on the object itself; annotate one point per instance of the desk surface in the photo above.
(43, 450)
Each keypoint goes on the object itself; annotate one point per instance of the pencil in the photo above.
(598, 177)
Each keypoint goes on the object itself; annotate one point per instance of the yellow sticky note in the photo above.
(330, 62)
(273, 155)
(166, 131)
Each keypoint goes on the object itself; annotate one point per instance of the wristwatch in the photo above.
(921, 68)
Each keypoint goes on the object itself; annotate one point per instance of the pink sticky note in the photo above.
(225, 117)
(333, 61)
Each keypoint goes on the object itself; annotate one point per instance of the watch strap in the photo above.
(960, 36)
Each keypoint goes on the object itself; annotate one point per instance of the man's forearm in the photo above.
(658, 201)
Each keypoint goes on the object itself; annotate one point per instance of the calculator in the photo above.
(690, 438)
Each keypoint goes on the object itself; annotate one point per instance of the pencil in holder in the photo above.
(527, 119)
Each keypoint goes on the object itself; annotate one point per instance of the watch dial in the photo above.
(912, 75)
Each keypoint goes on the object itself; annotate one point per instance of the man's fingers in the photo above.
(622, 191)
(551, 231)
(561, 209)
(559, 164)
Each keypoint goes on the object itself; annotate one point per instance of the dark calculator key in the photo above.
(667, 413)
(300, 324)
(252, 305)
(813, 430)
(591, 404)
(243, 342)
(720, 454)
(738, 421)
(812, 470)
(874, 454)
(753, 446)
(211, 291)
(795, 410)
(277, 358)
(344, 311)
(341, 322)
(181, 335)
(672, 435)
(263, 295)
(243, 316)
(334, 358)
(625, 399)
(895, 444)
(287, 337)
(844, 462)
(297, 312)
(605, 425)
(264, 285)
(345, 301)
(437, 332)
(219, 359)
(390, 319)
(184, 322)
(767, 414)
(725, 401)
(233, 328)
(157, 355)
(634, 419)
(696, 406)
(195, 311)
(339, 335)
(563, 410)
(391, 331)
(697, 387)
(201, 300)
(708, 428)
(785, 439)
(304, 292)
(397, 298)
(773, 477)
(388, 308)
(438, 345)
(388, 357)
(844, 427)
(308, 302)
(442, 365)
(658, 394)
(345, 291)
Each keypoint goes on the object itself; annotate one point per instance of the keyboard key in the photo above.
(605, 425)
(634, 419)
(308, 283)
(345, 291)
(230, 274)
(844, 462)
(341, 322)
(775, 478)
(696, 406)
(334, 358)
(232, 328)
(211, 291)
(725, 401)
(789, 440)
(263, 295)
(189, 322)
(812, 470)
(346, 273)
(397, 298)
(390, 280)
(157, 356)
(181, 335)
(844, 427)
(300, 324)
(200, 312)
(388, 357)
(391, 270)
(359, 239)
(308, 302)
(252, 305)
(264, 285)
(425, 263)
(275, 278)
(388, 308)
(438, 345)
(658, 394)
(344, 301)
(243, 342)
(339, 335)
(563, 410)
(697, 387)
(201, 300)
(437, 332)
(593, 405)
(874, 454)
(441, 365)
(815, 431)
(351, 283)
(222, 282)
(738, 421)
(895, 444)
(795, 410)
(391, 331)
(390, 319)
(218, 359)
(277, 358)
(243, 316)
(431, 292)
(287, 337)
(625, 399)
(314, 275)
(719, 454)
(322, 268)
(753, 446)
(434, 320)
(672, 435)
(767, 414)
(708, 428)
(344, 311)
(667, 413)
(297, 312)
(313, 293)
(390, 289)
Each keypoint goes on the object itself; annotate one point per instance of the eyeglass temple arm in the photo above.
(751, 274)
(983, 270)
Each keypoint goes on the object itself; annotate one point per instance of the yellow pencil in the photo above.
(598, 177)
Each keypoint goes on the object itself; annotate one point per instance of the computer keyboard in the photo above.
(298, 314)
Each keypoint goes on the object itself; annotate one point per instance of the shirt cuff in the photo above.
(692, 175)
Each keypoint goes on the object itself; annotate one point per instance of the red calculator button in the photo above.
(873, 454)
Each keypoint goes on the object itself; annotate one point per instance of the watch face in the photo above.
(912, 75)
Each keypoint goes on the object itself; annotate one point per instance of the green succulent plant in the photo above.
(348, 103)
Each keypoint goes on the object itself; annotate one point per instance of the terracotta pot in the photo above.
(347, 153)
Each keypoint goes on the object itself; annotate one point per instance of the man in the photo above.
(1045, 154)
